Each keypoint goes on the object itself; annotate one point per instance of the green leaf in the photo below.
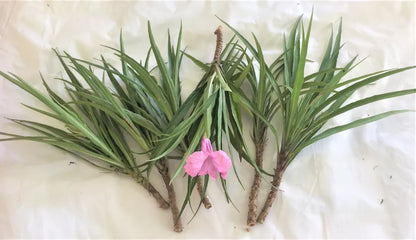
(167, 83)
(299, 79)
(328, 115)
(203, 66)
(354, 124)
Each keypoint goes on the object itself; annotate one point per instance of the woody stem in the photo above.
(218, 48)
(164, 171)
(149, 187)
(205, 200)
(280, 169)
(252, 204)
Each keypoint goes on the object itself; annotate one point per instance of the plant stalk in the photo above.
(280, 169)
(146, 184)
(218, 48)
(205, 200)
(164, 171)
(255, 187)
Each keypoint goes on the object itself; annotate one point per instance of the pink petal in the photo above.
(194, 163)
(209, 168)
(206, 145)
(221, 162)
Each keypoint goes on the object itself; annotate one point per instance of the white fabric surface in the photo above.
(357, 184)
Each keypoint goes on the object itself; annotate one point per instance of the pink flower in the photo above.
(207, 162)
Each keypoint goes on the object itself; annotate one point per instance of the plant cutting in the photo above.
(97, 118)
(211, 123)
(89, 133)
(305, 103)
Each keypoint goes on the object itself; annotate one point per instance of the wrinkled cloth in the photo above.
(356, 184)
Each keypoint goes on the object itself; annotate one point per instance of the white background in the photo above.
(334, 188)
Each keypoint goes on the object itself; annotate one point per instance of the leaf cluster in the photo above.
(305, 102)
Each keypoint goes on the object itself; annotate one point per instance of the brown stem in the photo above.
(205, 200)
(146, 184)
(218, 47)
(280, 169)
(252, 204)
(164, 171)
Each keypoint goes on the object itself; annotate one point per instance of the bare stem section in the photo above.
(164, 171)
(205, 200)
(252, 204)
(218, 48)
(146, 184)
(280, 169)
